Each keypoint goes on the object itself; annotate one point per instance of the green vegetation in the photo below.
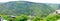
(22, 10)
(28, 8)
(36, 18)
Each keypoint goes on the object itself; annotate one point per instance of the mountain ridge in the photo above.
(28, 8)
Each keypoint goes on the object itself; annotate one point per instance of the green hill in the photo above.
(28, 8)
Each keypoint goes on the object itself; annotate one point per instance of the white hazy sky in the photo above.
(7, 0)
(37, 1)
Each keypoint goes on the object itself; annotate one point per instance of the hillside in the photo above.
(28, 8)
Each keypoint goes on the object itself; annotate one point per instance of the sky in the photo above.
(37, 1)
(45, 1)
(7, 0)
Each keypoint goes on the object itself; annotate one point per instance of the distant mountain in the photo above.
(28, 8)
